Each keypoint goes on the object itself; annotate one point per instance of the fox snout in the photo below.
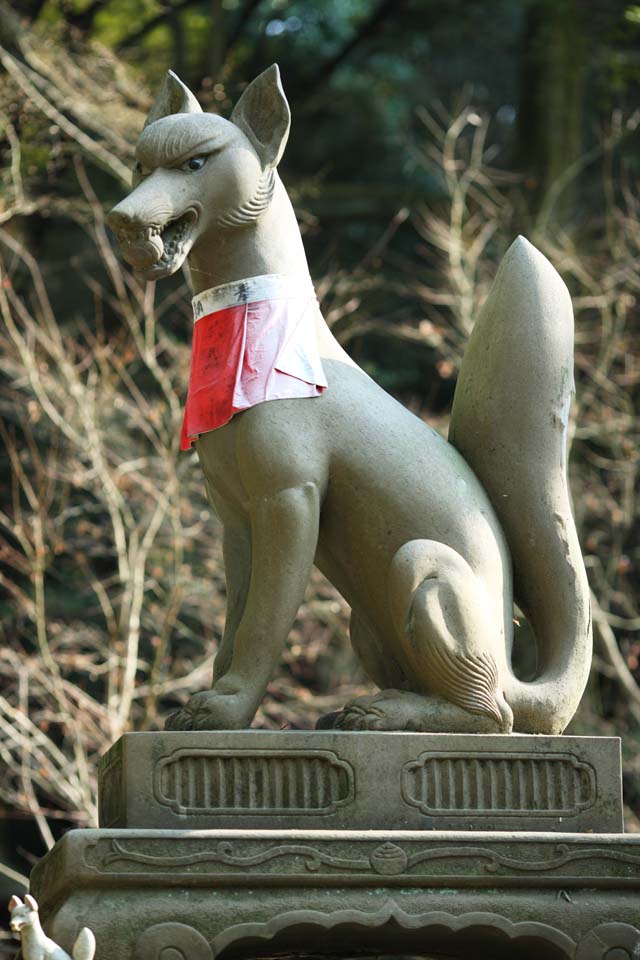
(23, 919)
(140, 243)
(155, 237)
(126, 227)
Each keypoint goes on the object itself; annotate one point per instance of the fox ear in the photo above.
(30, 902)
(262, 113)
(174, 97)
(15, 902)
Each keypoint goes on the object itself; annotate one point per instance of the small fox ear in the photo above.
(174, 97)
(15, 902)
(30, 902)
(262, 113)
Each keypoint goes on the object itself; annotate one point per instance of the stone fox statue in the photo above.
(35, 944)
(429, 541)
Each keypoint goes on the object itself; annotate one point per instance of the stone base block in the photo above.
(205, 895)
(340, 780)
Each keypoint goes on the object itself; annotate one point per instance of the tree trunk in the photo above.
(550, 116)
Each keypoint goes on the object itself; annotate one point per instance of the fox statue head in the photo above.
(23, 914)
(199, 177)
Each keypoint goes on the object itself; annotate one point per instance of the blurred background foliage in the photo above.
(426, 134)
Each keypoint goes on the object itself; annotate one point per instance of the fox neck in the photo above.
(272, 244)
(30, 933)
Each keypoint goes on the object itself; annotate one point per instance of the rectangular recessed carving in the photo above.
(260, 782)
(507, 784)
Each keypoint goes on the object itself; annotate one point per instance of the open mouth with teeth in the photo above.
(161, 250)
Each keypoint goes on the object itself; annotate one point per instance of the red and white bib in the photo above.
(253, 340)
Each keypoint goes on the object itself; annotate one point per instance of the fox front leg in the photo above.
(236, 550)
(284, 535)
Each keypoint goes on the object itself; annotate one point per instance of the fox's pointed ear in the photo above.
(262, 113)
(15, 902)
(30, 902)
(174, 97)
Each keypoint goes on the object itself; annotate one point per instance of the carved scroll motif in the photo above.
(610, 941)
(231, 860)
(163, 941)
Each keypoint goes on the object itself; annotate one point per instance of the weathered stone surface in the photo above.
(201, 893)
(340, 780)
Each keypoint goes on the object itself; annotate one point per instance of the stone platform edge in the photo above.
(97, 858)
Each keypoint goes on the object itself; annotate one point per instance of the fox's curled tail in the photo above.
(509, 421)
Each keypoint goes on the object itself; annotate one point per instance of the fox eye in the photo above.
(195, 163)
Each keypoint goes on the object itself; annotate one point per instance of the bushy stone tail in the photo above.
(509, 421)
(85, 946)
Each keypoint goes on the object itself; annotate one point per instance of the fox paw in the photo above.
(402, 710)
(386, 710)
(211, 711)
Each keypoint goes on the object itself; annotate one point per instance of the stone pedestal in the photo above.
(276, 843)
(366, 781)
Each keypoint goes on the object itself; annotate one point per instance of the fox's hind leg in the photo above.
(447, 645)
(453, 646)
(380, 664)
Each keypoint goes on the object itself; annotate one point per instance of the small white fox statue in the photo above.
(36, 945)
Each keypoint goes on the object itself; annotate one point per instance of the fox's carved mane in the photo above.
(253, 208)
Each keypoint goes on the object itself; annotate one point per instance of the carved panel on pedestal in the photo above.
(606, 941)
(504, 784)
(390, 929)
(255, 782)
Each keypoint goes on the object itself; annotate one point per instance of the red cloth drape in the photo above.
(249, 353)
